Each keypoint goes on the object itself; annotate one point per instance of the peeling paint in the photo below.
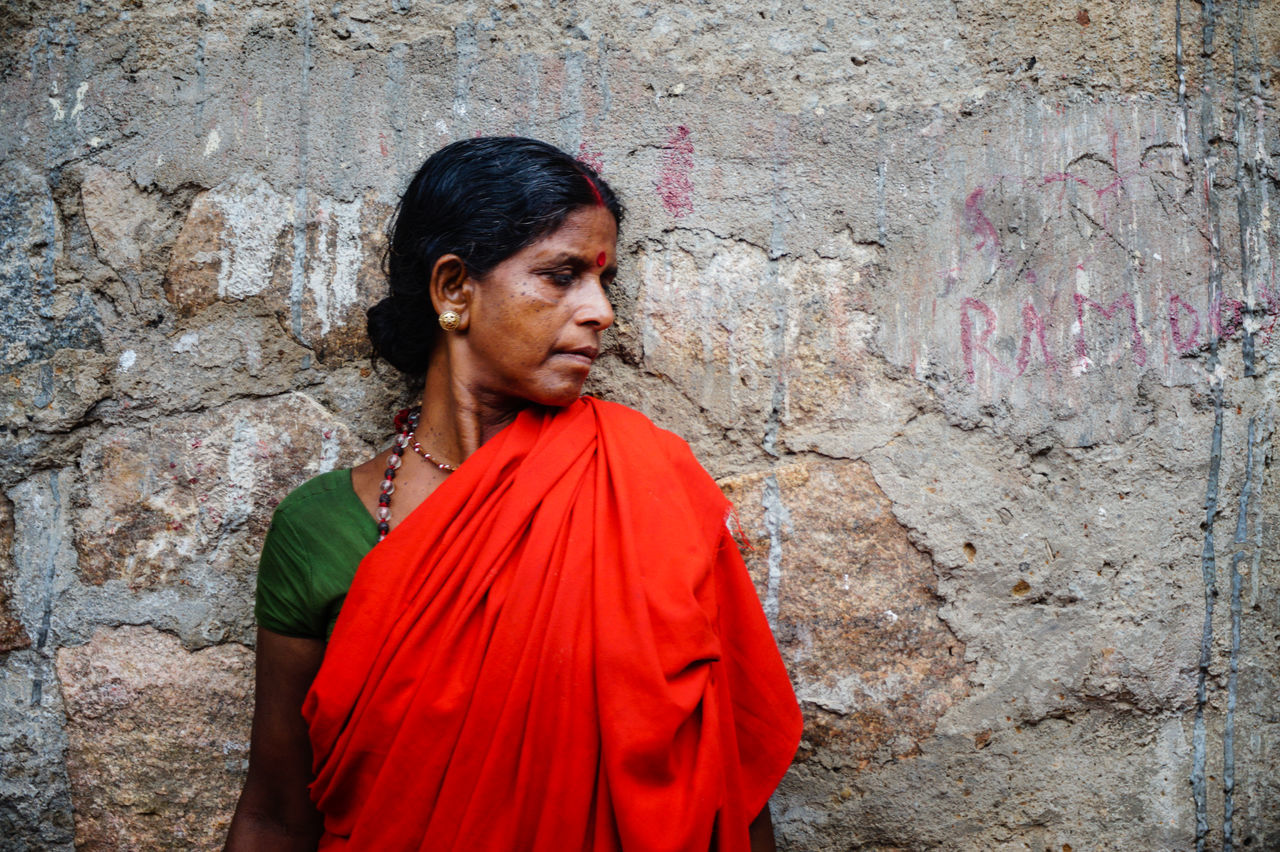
(253, 216)
(777, 519)
(81, 91)
(332, 273)
(189, 342)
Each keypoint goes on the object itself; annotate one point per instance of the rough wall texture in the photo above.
(971, 305)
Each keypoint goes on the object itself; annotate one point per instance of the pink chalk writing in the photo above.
(1033, 332)
(1125, 301)
(1185, 328)
(967, 344)
(1183, 342)
(1234, 310)
(1086, 212)
(978, 221)
(675, 187)
(1032, 323)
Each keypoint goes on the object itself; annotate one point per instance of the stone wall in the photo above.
(971, 306)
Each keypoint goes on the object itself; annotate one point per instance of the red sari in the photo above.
(560, 649)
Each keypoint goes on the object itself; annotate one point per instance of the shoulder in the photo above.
(310, 552)
(309, 515)
(626, 425)
(317, 496)
(618, 418)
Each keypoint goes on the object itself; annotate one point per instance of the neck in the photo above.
(456, 419)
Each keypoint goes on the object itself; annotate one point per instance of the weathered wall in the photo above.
(972, 307)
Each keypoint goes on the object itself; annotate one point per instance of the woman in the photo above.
(551, 646)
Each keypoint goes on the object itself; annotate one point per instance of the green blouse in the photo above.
(318, 535)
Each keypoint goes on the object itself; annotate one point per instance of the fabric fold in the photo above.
(559, 649)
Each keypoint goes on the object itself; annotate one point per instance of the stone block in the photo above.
(778, 347)
(239, 242)
(40, 315)
(207, 362)
(35, 808)
(168, 502)
(226, 245)
(55, 393)
(12, 634)
(125, 222)
(157, 739)
(840, 398)
(854, 607)
(341, 274)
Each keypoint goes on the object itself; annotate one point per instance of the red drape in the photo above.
(560, 649)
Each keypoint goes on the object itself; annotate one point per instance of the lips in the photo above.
(586, 354)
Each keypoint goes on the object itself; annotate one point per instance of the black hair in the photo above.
(483, 199)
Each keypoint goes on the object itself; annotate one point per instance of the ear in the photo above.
(451, 287)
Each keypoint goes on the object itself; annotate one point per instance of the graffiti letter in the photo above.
(1234, 309)
(978, 221)
(1032, 323)
(1270, 313)
(1180, 343)
(1125, 301)
(675, 187)
(967, 344)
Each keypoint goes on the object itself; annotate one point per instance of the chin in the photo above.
(557, 397)
(559, 400)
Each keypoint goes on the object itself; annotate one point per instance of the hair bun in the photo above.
(393, 338)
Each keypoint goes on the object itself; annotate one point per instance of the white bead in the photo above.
(384, 513)
(393, 461)
(388, 487)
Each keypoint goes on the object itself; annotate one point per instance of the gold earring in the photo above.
(449, 320)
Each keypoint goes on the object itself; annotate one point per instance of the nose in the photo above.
(596, 309)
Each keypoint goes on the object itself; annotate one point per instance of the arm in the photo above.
(275, 811)
(761, 832)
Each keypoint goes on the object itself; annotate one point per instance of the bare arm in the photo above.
(761, 832)
(275, 811)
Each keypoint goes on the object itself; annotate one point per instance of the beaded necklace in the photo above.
(406, 423)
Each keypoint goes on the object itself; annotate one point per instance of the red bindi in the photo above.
(601, 258)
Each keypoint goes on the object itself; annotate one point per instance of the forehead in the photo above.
(586, 231)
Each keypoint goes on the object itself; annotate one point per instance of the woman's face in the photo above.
(534, 322)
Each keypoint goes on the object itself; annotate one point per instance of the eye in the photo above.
(560, 277)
